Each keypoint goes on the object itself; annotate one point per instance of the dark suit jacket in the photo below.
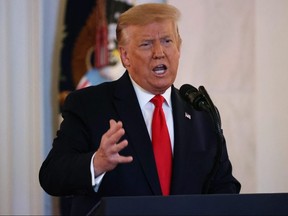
(66, 170)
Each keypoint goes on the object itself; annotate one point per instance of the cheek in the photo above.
(177, 53)
(174, 58)
(140, 59)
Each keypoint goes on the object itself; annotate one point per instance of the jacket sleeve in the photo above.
(66, 170)
(222, 180)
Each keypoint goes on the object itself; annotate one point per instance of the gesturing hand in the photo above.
(107, 156)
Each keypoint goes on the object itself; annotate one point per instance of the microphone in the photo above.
(194, 97)
(201, 101)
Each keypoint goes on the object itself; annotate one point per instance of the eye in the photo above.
(145, 44)
(166, 41)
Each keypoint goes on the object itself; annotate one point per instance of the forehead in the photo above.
(154, 29)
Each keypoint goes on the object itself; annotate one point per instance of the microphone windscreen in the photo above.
(186, 89)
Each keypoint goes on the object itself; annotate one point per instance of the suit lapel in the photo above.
(127, 105)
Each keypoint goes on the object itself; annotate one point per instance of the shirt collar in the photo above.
(144, 96)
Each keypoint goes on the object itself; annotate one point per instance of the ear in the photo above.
(124, 57)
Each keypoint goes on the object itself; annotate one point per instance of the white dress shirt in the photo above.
(147, 109)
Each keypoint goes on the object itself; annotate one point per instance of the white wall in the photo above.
(218, 52)
(238, 51)
(271, 104)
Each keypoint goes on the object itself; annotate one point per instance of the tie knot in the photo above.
(157, 100)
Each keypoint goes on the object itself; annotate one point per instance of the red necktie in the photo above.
(161, 145)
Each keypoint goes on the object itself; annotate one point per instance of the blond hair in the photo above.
(144, 14)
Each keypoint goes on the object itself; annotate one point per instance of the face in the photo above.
(151, 55)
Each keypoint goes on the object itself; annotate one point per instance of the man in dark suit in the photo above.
(104, 148)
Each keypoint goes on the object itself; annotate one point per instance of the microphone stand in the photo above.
(215, 116)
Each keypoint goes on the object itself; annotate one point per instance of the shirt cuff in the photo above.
(96, 181)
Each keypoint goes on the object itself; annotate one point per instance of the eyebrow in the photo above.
(149, 38)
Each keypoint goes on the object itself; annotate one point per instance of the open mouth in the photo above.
(160, 69)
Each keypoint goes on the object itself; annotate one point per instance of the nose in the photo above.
(158, 52)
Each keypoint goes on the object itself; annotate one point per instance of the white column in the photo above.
(20, 107)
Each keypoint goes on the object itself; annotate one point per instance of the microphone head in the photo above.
(187, 89)
(192, 96)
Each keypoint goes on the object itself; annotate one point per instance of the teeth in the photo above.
(160, 69)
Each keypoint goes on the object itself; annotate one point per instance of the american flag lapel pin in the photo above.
(187, 115)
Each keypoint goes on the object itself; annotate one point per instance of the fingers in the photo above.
(125, 159)
(114, 127)
(119, 147)
(115, 132)
(107, 156)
